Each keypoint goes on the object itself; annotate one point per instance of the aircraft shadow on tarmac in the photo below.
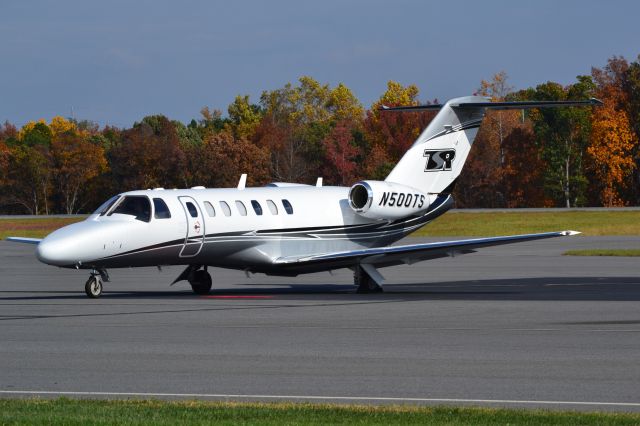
(521, 289)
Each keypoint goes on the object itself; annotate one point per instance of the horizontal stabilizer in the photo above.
(24, 240)
(495, 105)
(526, 104)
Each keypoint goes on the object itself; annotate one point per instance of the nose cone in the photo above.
(68, 246)
(54, 251)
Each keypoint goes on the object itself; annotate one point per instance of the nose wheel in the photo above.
(93, 287)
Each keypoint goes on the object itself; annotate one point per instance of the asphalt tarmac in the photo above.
(517, 325)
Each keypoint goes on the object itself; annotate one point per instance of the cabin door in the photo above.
(195, 227)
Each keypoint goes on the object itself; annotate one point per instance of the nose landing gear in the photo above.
(93, 287)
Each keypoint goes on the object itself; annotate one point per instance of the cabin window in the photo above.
(225, 208)
(241, 208)
(161, 209)
(104, 207)
(287, 206)
(209, 208)
(192, 209)
(134, 205)
(257, 207)
(272, 207)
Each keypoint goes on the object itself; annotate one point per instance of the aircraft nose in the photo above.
(53, 252)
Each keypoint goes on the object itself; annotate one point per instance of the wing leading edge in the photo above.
(406, 254)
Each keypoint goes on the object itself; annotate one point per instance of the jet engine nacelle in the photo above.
(386, 200)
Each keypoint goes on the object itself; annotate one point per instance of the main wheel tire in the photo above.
(201, 283)
(93, 287)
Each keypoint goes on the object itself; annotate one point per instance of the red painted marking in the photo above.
(237, 297)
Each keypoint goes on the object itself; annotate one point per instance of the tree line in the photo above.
(562, 157)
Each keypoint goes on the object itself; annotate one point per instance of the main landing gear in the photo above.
(201, 282)
(93, 287)
(199, 279)
(368, 279)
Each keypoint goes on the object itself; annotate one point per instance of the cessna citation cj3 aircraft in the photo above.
(288, 229)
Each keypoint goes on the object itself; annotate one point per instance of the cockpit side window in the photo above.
(134, 205)
(161, 209)
(104, 207)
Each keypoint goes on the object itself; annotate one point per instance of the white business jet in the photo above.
(288, 229)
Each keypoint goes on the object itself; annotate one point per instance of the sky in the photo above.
(114, 62)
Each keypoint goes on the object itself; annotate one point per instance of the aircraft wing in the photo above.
(24, 240)
(406, 254)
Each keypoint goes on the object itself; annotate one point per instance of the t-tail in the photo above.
(437, 157)
(435, 160)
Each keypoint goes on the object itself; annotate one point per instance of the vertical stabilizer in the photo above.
(436, 158)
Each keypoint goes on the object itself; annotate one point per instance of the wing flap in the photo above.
(407, 254)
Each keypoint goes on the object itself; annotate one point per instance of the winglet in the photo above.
(243, 181)
(24, 240)
(319, 182)
(569, 233)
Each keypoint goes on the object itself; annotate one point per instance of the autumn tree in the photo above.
(76, 162)
(296, 121)
(562, 135)
(612, 142)
(341, 154)
(29, 176)
(223, 159)
(631, 87)
(148, 156)
(482, 181)
(244, 117)
(390, 134)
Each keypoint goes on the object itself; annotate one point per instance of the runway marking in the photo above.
(237, 297)
(318, 397)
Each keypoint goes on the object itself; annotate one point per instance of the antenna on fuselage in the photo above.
(243, 181)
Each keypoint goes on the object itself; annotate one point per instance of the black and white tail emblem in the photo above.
(439, 160)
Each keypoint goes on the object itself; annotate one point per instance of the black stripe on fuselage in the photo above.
(439, 207)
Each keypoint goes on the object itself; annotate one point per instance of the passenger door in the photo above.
(195, 227)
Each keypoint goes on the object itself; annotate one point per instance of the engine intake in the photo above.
(386, 200)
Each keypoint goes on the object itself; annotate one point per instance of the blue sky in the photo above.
(116, 61)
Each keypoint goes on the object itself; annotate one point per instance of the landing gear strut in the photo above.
(365, 282)
(93, 287)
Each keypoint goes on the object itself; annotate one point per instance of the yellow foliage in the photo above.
(60, 125)
(396, 95)
(29, 127)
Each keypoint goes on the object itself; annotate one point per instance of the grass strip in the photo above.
(487, 224)
(142, 412)
(604, 252)
(33, 228)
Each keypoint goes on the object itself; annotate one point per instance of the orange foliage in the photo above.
(610, 150)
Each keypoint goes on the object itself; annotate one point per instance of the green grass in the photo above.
(487, 224)
(604, 252)
(134, 412)
(450, 224)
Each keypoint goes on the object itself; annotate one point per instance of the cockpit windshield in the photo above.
(134, 205)
(104, 207)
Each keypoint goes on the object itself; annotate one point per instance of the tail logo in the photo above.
(438, 160)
